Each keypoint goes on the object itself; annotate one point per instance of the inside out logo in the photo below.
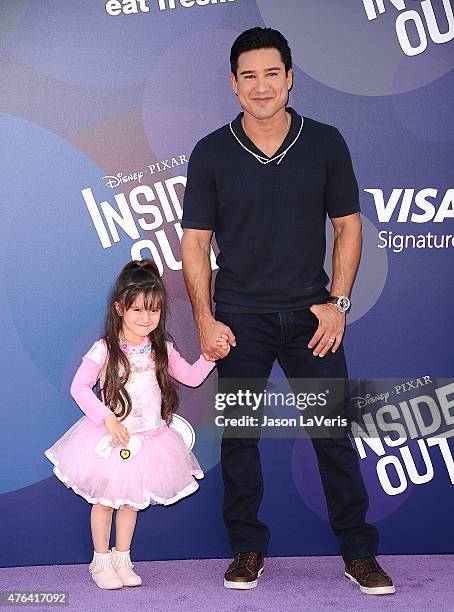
(134, 213)
(410, 428)
(414, 28)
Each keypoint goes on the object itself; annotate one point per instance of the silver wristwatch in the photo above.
(341, 302)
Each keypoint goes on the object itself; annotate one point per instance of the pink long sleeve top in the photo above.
(142, 385)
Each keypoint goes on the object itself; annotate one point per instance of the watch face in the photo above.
(343, 303)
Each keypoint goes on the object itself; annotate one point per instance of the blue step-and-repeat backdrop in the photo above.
(101, 104)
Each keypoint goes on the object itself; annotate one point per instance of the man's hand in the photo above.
(331, 327)
(223, 342)
(120, 435)
(215, 339)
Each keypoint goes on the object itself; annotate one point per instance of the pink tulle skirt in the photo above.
(160, 470)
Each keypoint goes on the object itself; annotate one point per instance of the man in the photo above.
(263, 185)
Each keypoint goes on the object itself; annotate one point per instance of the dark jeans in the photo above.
(262, 338)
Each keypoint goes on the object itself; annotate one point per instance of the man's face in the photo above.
(261, 84)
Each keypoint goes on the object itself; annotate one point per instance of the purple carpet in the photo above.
(309, 583)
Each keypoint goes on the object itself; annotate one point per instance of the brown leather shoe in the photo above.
(244, 570)
(369, 576)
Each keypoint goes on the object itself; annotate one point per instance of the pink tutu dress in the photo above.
(156, 467)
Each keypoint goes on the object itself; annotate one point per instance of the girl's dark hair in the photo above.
(260, 38)
(137, 277)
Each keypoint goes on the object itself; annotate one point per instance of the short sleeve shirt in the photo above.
(269, 216)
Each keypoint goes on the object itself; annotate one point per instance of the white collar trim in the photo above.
(265, 160)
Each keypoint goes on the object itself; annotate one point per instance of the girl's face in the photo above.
(138, 321)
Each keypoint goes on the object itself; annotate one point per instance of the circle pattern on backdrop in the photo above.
(12, 13)
(427, 112)
(196, 103)
(372, 272)
(185, 429)
(337, 45)
(91, 48)
(307, 482)
(52, 290)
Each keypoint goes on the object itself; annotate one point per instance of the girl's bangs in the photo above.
(153, 297)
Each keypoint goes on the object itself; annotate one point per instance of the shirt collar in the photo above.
(295, 126)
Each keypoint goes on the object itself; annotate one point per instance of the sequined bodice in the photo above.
(143, 389)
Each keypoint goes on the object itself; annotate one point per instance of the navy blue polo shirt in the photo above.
(269, 213)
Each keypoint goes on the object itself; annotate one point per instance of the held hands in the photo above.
(215, 339)
(331, 327)
(223, 343)
(119, 433)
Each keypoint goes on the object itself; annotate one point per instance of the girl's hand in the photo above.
(117, 430)
(223, 342)
(210, 331)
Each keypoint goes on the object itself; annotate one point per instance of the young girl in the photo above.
(123, 455)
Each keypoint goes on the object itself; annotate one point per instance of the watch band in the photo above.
(341, 302)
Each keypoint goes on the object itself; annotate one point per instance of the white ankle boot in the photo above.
(103, 572)
(123, 564)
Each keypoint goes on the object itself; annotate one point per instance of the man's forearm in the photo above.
(197, 276)
(346, 256)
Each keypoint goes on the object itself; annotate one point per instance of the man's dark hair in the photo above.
(260, 38)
